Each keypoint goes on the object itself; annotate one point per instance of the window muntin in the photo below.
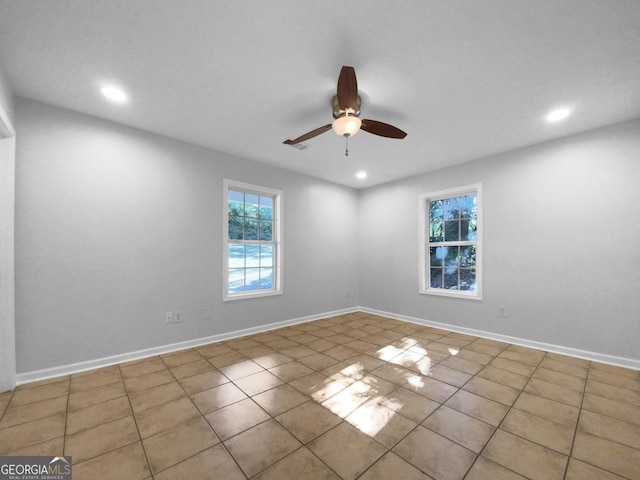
(450, 242)
(252, 247)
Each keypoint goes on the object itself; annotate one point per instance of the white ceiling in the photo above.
(464, 78)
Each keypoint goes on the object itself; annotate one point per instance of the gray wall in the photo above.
(7, 196)
(561, 243)
(115, 226)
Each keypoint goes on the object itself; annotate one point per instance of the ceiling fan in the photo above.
(346, 110)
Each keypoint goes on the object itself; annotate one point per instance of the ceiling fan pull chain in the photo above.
(346, 150)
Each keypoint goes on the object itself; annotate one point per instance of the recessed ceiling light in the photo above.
(361, 175)
(558, 115)
(114, 94)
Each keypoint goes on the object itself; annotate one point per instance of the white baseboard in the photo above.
(53, 372)
(547, 347)
(59, 371)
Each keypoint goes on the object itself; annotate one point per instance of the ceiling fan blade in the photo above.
(348, 89)
(382, 129)
(307, 136)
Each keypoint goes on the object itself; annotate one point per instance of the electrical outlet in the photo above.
(503, 311)
(206, 313)
(177, 317)
(168, 317)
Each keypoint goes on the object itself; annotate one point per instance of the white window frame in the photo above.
(424, 241)
(277, 240)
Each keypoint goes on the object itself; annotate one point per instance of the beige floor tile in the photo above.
(261, 446)
(95, 378)
(98, 414)
(142, 367)
(538, 430)
(607, 455)
(606, 427)
(409, 404)
(190, 369)
(20, 436)
(391, 466)
(478, 407)
(614, 370)
(308, 421)
(580, 471)
(217, 397)
(462, 364)
(612, 392)
(154, 396)
(86, 398)
(384, 425)
(33, 411)
(176, 444)
(272, 360)
(341, 352)
(472, 355)
(550, 363)
(298, 352)
(226, 359)
(365, 362)
(127, 462)
(522, 354)
(575, 361)
(321, 345)
(237, 417)
(612, 408)
(449, 375)
(492, 390)
(153, 379)
(52, 448)
(381, 375)
(346, 450)
(175, 359)
(216, 459)
(258, 382)
(317, 386)
(559, 378)
(460, 428)
(513, 366)
(213, 349)
(301, 464)
(524, 457)
(430, 387)
(394, 373)
(98, 440)
(280, 399)
(23, 396)
(557, 412)
(167, 415)
(479, 346)
(318, 361)
(619, 377)
(554, 392)
(435, 455)
(290, 371)
(485, 469)
(504, 377)
(281, 344)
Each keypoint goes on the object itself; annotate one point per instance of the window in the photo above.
(450, 242)
(252, 247)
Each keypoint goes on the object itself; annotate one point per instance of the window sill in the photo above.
(249, 295)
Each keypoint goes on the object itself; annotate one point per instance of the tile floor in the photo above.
(355, 396)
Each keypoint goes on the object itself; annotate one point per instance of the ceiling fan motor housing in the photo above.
(339, 112)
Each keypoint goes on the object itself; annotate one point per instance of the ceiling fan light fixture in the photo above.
(347, 125)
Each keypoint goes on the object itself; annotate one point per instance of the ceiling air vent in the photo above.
(299, 146)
